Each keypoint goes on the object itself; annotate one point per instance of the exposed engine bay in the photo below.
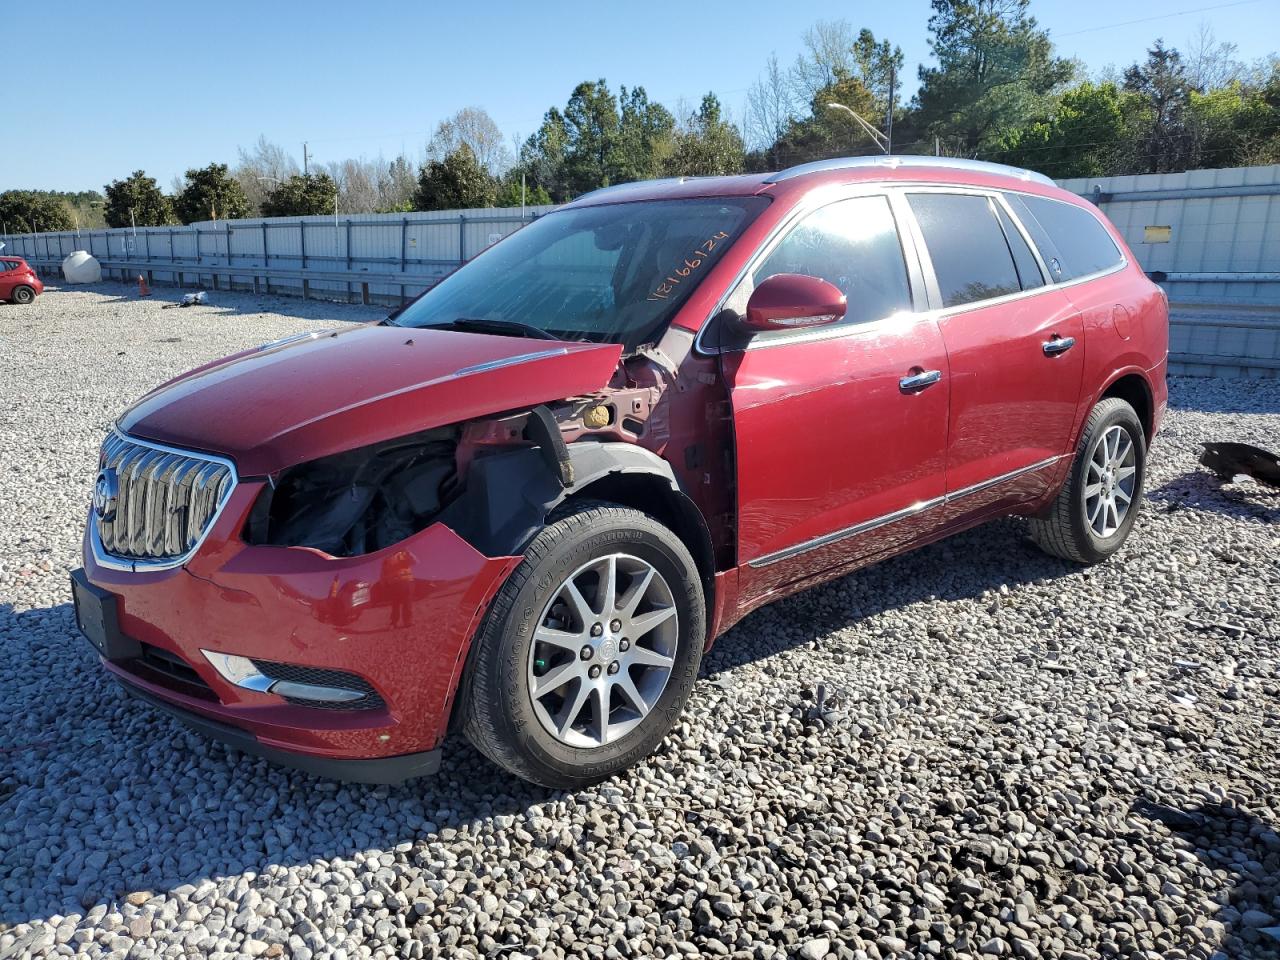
(364, 500)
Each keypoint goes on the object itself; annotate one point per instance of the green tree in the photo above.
(707, 144)
(36, 211)
(136, 200)
(878, 66)
(995, 68)
(1160, 122)
(457, 182)
(1233, 126)
(210, 193)
(302, 195)
(1083, 136)
(543, 156)
(643, 139)
(592, 125)
(509, 192)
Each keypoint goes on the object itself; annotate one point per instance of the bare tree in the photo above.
(397, 183)
(1211, 65)
(265, 161)
(357, 184)
(770, 107)
(827, 57)
(474, 128)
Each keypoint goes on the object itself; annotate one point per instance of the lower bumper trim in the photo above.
(379, 770)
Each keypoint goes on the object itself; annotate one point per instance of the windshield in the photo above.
(611, 274)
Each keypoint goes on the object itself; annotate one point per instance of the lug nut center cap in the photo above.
(608, 649)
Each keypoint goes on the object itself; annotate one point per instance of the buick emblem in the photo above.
(106, 492)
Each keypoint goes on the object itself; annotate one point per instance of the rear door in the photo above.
(836, 459)
(8, 275)
(1015, 344)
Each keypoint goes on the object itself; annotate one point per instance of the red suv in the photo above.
(524, 505)
(18, 282)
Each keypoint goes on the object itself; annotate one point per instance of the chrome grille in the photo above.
(167, 499)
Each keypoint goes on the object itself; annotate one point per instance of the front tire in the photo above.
(589, 651)
(23, 295)
(1095, 510)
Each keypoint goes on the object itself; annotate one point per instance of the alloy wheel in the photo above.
(1109, 483)
(603, 651)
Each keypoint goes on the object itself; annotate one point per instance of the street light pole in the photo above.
(879, 138)
(889, 119)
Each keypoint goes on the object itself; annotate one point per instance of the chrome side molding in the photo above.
(875, 523)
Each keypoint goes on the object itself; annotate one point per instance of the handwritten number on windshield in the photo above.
(691, 263)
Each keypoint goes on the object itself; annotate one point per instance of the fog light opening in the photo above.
(243, 672)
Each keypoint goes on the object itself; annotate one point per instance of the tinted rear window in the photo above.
(971, 258)
(1083, 244)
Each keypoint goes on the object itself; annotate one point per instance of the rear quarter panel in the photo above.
(1126, 328)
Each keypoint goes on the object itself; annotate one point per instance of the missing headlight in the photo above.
(361, 500)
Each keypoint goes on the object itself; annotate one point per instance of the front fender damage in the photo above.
(509, 495)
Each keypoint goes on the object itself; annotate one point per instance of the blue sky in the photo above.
(164, 86)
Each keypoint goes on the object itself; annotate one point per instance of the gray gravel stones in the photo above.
(988, 778)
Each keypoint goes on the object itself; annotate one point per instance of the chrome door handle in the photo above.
(1058, 345)
(918, 381)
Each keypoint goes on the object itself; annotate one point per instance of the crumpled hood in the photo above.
(273, 408)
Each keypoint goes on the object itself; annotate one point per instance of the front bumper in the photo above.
(363, 770)
(401, 619)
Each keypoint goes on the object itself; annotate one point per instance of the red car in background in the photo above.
(18, 282)
(524, 505)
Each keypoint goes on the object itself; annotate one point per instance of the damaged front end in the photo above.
(492, 480)
(359, 501)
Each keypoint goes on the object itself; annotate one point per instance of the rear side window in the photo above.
(1082, 243)
(966, 243)
(853, 244)
(7, 265)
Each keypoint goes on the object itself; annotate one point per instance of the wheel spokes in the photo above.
(573, 708)
(644, 657)
(556, 678)
(646, 622)
(628, 602)
(559, 638)
(586, 616)
(607, 591)
(589, 679)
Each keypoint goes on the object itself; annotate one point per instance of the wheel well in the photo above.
(653, 495)
(1133, 390)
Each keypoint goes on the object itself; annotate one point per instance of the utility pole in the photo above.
(888, 149)
(305, 170)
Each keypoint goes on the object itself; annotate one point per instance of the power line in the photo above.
(1161, 16)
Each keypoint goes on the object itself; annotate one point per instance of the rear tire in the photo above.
(589, 651)
(1094, 511)
(23, 295)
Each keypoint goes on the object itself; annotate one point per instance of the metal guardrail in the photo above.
(186, 273)
(1224, 339)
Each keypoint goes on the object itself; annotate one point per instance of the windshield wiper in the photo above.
(502, 327)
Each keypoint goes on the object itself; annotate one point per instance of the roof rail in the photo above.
(908, 160)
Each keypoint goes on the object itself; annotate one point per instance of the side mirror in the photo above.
(789, 301)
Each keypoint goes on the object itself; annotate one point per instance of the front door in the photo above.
(1016, 349)
(840, 432)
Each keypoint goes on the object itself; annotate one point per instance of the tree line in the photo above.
(994, 89)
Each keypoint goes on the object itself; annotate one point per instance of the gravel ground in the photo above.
(1016, 757)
